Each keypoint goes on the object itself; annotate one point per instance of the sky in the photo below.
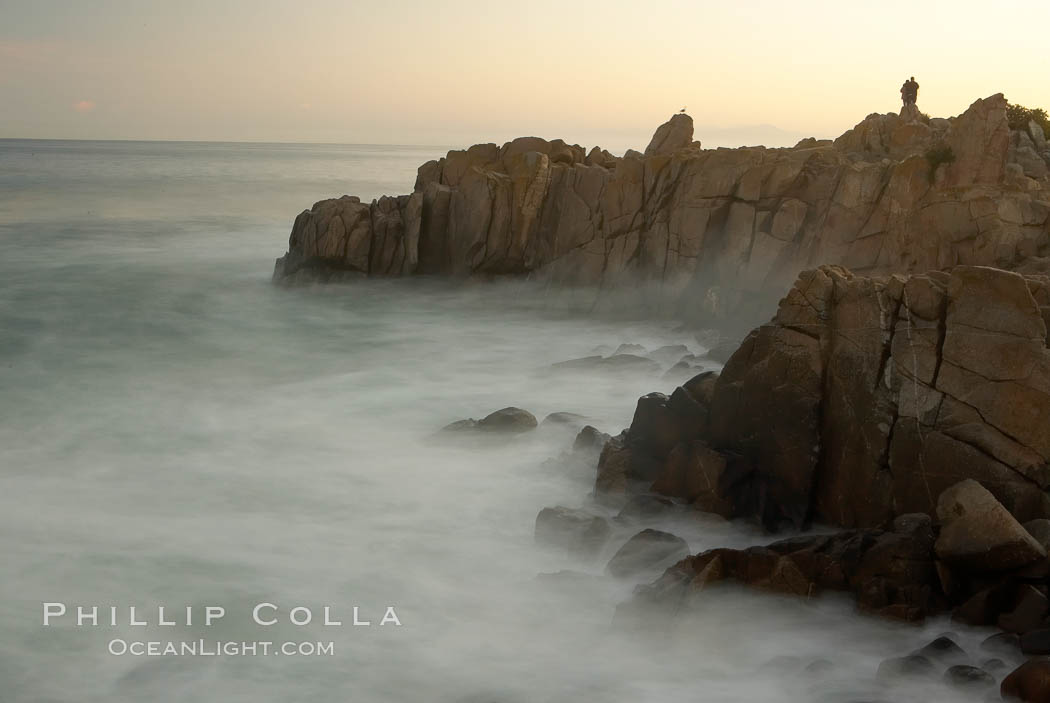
(456, 72)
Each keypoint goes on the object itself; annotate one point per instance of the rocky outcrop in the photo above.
(892, 194)
(902, 571)
(891, 574)
(675, 134)
(863, 399)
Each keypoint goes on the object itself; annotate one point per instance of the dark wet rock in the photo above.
(985, 606)
(648, 550)
(579, 532)
(1040, 530)
(697, 474)
(917, 525)
(1029, 613)
(590, 439)
(944, 650)
(461, 426)
(510, 420)
(702, 387)
(1029, 683)
(889, 574)
(645, 507)
(617, 467)
(970, 678)
(911, 666)
(1005, 644)
(1036, 642)
(994, 666)
(979, 534)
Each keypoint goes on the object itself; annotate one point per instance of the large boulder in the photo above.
(979, 534)
(671, 136)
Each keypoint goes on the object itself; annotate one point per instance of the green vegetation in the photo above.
(937, 155)
(1019, 115)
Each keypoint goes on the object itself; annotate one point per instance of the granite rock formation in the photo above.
(862, 400)
(893, 194)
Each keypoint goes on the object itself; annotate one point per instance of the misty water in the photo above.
(177, 431)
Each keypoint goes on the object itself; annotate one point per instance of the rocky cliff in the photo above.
(862, 400)
(895, 193)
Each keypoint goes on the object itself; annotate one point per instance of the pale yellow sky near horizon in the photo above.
(460, 72)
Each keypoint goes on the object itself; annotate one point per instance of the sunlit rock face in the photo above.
(895, 193)
(862, 400)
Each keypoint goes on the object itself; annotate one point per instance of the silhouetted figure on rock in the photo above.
(910, 91)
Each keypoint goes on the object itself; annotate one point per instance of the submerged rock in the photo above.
(969, 678)
(581, 533)
(619, 362)
(944, 650)
(644, 507)
(909, 667)
(648, 550)
(670, 353)
(1002, 643)
(511, 420)
(626, 348)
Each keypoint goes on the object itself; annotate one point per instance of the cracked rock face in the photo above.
(863, 399)
(715, 228)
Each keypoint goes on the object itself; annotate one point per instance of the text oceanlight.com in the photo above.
(205, 648)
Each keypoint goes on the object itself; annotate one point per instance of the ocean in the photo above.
(176, 432)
